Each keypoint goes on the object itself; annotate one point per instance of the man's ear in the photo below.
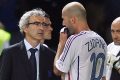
(25, 29)
(73, 20)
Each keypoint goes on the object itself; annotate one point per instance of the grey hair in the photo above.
(24, 20)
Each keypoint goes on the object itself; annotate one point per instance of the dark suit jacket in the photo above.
(15, 63)
(115, 75)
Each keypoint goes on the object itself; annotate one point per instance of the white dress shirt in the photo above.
(28, 46)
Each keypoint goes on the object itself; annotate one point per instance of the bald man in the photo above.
(113, 54)
(82, 56)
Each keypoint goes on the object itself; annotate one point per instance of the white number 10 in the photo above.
(94, 59)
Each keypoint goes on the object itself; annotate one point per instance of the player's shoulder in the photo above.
(82, 36)
(92, 34)
(85, 35)
(76, 37)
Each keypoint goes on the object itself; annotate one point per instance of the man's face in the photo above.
(115, 31)
(34, 30)
(67, 23)
(48, 30)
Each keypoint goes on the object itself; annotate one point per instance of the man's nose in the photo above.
(41, 27)
(115, 36)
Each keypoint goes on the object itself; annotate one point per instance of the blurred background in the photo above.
(100, 14)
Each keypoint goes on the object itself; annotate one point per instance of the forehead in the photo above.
(115, 25)
(64, 17)
(36, 18)
(66, 14)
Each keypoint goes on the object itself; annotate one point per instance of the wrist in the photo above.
(61, 45)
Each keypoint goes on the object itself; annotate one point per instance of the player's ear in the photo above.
(73, 20)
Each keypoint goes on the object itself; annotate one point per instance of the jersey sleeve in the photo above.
(66, 58)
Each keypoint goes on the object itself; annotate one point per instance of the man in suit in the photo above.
(19, 62)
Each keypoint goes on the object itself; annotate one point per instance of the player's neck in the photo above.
(82, 27)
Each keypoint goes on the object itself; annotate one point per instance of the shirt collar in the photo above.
(28, 46)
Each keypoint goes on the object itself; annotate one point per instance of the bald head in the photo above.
(115, 31)
(75, 9)
(116, 21)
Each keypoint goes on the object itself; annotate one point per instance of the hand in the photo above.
(111, 59)
(63, 37)
(62, 41)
